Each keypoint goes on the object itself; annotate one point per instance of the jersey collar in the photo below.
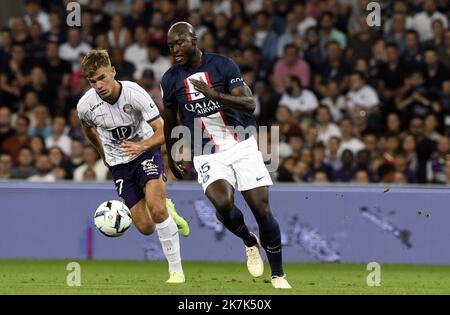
(118, 97)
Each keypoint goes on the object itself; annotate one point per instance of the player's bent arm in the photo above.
(157, 139)
(241, 99)
(133, 149)
(94, 139)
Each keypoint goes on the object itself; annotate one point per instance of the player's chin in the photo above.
(180, 61)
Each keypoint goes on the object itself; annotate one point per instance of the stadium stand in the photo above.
(354, 103)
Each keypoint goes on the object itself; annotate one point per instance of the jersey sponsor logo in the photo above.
(93, 107)
(191, 92)
(127, 108)
(236, 80)
(203, 108)
(121, 133)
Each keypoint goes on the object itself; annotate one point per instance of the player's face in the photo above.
(181, 47)
(103, 81)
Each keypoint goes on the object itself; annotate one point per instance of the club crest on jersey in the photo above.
(127, 108)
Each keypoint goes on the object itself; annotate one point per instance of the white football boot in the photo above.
(255, 264)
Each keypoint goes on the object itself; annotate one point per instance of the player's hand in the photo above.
(177, 169)
(204, 88)
(131, 149)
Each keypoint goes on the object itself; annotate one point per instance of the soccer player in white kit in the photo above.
(123, 123)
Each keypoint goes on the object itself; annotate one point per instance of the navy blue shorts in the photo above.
(130, 178)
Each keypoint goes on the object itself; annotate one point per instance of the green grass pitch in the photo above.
(130, 277)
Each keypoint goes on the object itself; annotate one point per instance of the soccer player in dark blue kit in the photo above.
(209, 93)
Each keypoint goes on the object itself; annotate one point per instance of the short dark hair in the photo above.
(327, 13)
(153, 44)
(346, 118)
(332, 42)
(289, 46)
(37, 2)
(148, 73)
(24, 117)
(296, 80)
(361, 75)
(392, 45)
(411, 31)
(254, 49)
(6, 30)
(318, 145)
(391, 135)
(264, 13)
(430, 48)
(385, 169)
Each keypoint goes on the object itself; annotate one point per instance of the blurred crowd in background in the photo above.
(354, 103)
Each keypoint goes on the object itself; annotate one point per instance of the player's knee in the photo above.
(263, 213)
(223, 203)
(159, 214)
(146, 228)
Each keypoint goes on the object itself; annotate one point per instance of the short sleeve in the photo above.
(372, 97)
(312, 101)
(84, 117)
(232, 74)
(168, 92)
(145, 104)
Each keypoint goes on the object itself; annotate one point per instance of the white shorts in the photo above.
(242, 163)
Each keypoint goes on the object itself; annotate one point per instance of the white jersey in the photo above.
(127, 119)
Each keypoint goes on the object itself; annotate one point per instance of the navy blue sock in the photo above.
(233, 220)
(269, 232)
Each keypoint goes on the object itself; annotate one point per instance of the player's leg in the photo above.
(142, 219)
(253, 179)
(221, 195)
(155, 198)
(217, 179)
(269, 232)
(133, 196)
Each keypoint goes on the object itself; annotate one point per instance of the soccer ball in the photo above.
(112, 218)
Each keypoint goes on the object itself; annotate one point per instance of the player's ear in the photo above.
(194, 41)
(113, 71)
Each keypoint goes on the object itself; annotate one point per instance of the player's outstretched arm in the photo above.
(94, 139)
(241, 97)
(170, 122)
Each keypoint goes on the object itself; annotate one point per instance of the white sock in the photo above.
(170, 242)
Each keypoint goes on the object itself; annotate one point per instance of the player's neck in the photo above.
(196, 60)
(113, 98)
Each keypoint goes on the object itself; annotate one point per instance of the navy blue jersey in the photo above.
(220, 127)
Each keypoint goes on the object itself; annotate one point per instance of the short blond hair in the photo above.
(94, 60)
